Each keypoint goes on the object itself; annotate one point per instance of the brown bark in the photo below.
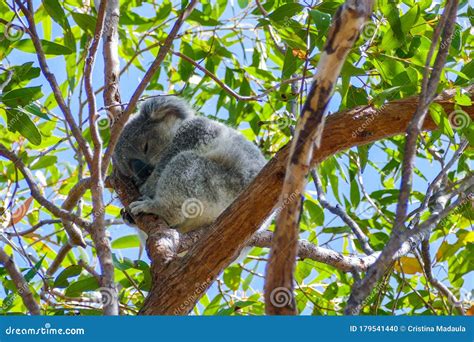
(178, 285)
(279, 279)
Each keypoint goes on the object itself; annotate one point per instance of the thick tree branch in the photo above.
(111, 61)
(344, 31)
(235, 227)
(98, 234)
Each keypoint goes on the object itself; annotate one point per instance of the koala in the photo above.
(188, 169)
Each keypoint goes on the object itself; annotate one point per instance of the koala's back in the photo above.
(223, 145)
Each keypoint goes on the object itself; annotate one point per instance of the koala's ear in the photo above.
(159, 108)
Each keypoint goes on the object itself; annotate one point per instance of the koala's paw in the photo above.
(146, 207)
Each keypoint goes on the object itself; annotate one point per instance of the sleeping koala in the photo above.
(188, 168)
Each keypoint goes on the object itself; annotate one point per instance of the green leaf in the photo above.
(285, 12)
(80, 286)
(62, 281)
(462, 99)
(22, 97)
(50, 48)
(43, 162)
(34, 270)
(243, 3)
(316, 213)
(56, 12)
(232, 277)
(185, 68)
(409, 19)
(21, 75)
(130, 18)
(441, 120)
(18, 121)
(34, 109)
(468, 70)
(321, 20)
(85, 22)
(128, 241)
(363, 152)
(355, 193)
(203, 19)
(356, 97)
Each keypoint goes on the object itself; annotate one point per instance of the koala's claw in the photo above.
(127, 217)
(139, 207)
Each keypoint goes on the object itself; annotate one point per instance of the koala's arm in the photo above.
(192, 134)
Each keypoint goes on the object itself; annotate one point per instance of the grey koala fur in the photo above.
(188, 168)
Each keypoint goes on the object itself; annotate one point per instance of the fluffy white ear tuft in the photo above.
(158, 108)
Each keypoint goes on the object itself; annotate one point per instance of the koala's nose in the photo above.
(141, 169)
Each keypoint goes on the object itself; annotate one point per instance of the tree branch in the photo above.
(111, 62)
(20, 283)
(347, 23)
(307, 250)
(98, 234)
(336, 210)
(428, 92)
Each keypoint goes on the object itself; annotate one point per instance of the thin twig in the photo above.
(336, 210)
